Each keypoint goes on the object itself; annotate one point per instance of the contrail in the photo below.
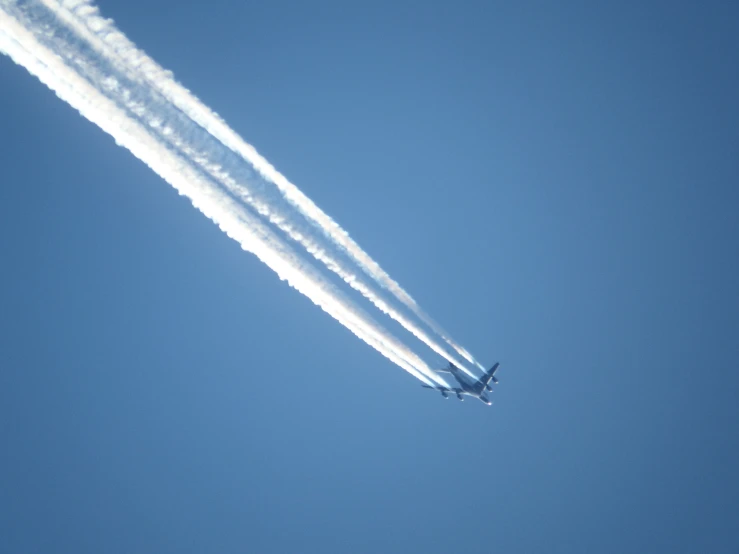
(112, 44)
(158, 114)
(21, 38)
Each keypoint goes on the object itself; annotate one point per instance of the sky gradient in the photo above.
(556, 186)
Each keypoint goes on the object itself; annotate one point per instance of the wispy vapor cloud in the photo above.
(26, 34)
(112, 46)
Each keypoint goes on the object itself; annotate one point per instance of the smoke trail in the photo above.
(84, 18)
(157, 113)
(17, 39)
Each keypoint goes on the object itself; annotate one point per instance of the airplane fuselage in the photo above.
(467, 387)
(462, 380)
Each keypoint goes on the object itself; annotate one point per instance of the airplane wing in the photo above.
(454, 390)
(485, 379)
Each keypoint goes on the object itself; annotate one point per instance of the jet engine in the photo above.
(461, 398)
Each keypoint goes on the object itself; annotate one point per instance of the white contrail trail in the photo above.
(17, 39)
(171, 128)
(165, 129)
(116, 50)
(85, 20)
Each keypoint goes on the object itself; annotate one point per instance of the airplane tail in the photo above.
(447, 369)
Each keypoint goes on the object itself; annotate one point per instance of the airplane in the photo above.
(475, 390)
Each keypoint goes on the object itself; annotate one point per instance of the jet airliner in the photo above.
(475, 389)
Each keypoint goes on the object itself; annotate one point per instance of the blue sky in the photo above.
(557, 186)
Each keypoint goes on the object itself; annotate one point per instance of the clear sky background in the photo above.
(556, 185)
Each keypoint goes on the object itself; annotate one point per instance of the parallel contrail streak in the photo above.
(21, 40)
(111, 43)
(156, 112)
